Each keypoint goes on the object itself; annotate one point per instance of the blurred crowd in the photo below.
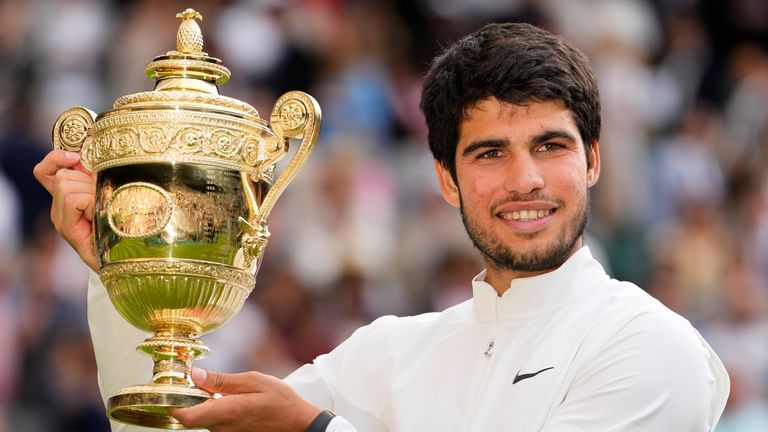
(681, 207)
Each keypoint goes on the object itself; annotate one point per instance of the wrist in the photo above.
(302, 416)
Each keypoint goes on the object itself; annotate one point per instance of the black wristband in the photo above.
(321, 422)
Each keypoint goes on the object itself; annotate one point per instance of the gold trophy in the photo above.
(184, 186)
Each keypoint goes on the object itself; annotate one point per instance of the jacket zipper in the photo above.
(480, 384)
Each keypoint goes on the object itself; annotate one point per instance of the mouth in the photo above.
(527, 221)
(525, 215)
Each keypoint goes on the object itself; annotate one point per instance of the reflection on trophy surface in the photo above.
(185, 181)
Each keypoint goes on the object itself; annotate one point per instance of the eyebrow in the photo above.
(493, 143)
(552, 134)
(496, 143)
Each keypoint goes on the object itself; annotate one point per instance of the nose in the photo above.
(524, 175)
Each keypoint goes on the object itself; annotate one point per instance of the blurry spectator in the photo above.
(684, 62)
(232, 345)
(353, 84)
(57, 376)
(449, 282)
(698, 248)
(345, 307)
(687, 168)
(749, 217)
(272, 356)
(746, 111)
(292, 314)
(20, 150)
(342, 214)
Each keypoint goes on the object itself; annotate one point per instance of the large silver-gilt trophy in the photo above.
(185, 181)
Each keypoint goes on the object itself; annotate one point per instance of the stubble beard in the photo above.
(550, 257)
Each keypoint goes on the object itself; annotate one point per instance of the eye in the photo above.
(490, 154)
(549, 147)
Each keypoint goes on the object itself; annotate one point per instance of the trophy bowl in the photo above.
(185, 181)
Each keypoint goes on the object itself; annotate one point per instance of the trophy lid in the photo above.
(184, 119)
(186, 69)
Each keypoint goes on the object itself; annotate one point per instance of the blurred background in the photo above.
(681, 207)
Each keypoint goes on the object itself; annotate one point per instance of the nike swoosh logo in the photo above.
(519, 377)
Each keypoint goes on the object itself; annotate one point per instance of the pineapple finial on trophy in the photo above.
(189, 38)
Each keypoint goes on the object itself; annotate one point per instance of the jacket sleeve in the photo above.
(340, 424)
(114, 344)
(655, 373)
(324, 382)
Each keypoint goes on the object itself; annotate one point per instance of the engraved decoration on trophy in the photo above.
(185, 181)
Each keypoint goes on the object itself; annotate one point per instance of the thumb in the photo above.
(227, 384)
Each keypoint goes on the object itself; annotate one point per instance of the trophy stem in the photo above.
(173, 353)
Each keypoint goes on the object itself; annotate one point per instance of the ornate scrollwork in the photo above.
(153, 139)
(176, 96)
(293, 114)
(125, 141)
(153, 343)
(192, 140)
(177, 267)
(72, 128)
(73, 131)
(225, 143)
(124, 138)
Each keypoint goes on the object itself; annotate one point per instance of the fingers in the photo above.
(72, 212)
(67, 182)
(208, 414)
(76, 228)
(46, 170)
(227, 384)
(73, 198)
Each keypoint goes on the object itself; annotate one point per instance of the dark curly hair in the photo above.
(516, 63)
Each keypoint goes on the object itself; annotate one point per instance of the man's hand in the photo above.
(252, 402)
(73, 190)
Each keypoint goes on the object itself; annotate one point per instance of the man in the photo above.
(547, 343)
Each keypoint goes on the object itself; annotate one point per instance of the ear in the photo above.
(447, 186)
(593, 172)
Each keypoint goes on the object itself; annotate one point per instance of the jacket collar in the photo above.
(535, 295)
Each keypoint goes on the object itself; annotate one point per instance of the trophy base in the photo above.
(146, 405)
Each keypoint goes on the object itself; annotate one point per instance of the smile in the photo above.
(525, 215)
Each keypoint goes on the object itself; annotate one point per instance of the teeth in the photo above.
(526, 215)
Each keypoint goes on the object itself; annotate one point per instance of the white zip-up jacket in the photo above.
(570, 350)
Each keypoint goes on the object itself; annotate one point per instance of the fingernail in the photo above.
(199, 375)
(72, 155)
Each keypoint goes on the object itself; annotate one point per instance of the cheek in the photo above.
(479, 190)
(573, 182)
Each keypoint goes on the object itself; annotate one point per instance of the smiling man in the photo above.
(549, 342)
(525, 172)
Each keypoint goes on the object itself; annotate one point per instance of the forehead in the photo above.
(492, 117)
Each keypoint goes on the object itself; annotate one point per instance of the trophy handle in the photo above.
(72, 132)
(294, 115)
